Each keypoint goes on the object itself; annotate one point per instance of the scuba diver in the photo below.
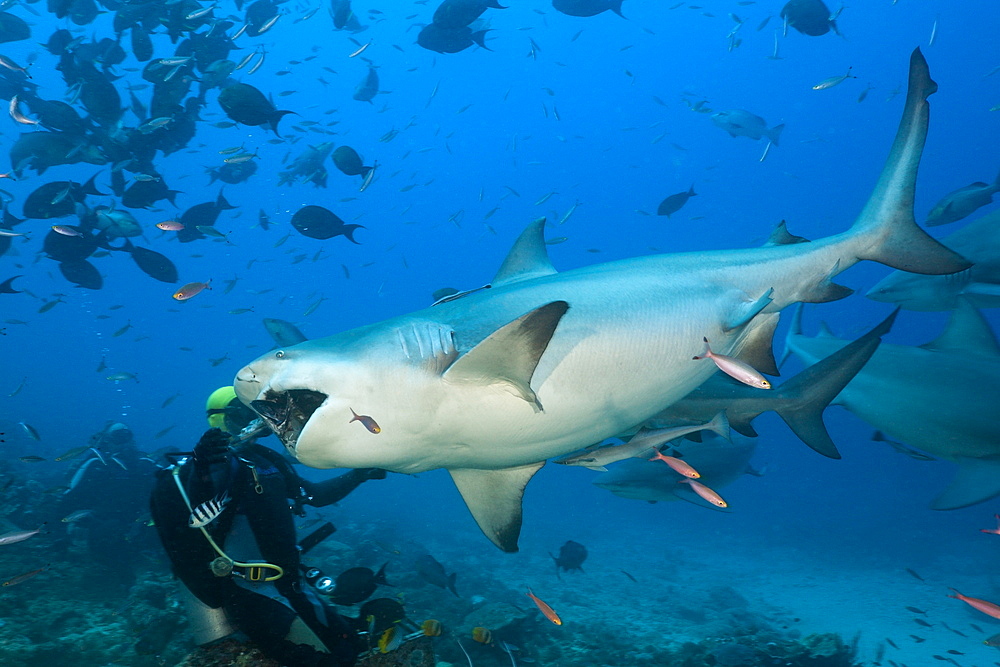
(106, 497)
(225, 515)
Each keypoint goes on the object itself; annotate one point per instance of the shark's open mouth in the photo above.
(287, 412)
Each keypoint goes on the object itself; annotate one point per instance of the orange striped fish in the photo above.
(546, 610)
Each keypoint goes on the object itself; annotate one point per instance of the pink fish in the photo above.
(705, 492)
(987, 608)
(680, 467)
(735, 368)
(170, 226)
(992, 531)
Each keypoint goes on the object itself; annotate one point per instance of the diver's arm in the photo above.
(211, 463)
(334, 490)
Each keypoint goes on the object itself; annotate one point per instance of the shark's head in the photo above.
(309, 397)
(919, 292)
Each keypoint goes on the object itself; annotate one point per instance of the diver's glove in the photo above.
(372, 473)
(212, 448)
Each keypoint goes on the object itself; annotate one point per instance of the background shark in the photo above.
(719, 463)
(979, 242)
(493, 383)
(940, 397)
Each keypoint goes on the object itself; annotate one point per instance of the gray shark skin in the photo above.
(940, 397)
(491, 384)
(979, 242)
(799, 401)
(718, 462)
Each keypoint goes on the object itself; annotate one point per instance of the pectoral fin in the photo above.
(747, 310)
(510, 354)
(976, 481)
(757, 347)
(494, 498)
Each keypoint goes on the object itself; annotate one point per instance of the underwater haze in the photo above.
(601, 124)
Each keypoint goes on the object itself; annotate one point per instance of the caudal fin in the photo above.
(808, 393)
(886, 230)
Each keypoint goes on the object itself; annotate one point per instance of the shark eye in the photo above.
(279, 354)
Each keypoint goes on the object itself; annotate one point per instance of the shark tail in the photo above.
(886, 230)
(807, 395)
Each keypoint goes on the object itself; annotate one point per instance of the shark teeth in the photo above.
(287, 412)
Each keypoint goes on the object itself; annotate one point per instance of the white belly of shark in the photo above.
(493, 383)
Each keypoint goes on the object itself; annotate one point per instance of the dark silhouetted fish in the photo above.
(57, 115)
(357, 584)
(368, 88)
(742, 123)
(810, 17)
(82, 273)
(246, 105)
(143, 194)
(309, 166)
(232, 173)
(13, 28)
(674, 203)
(433, 573)
(450, 40)
(259, 14)
(152, 263)
(571, 557)
(53, 200)
(587, 7)
(347, 160)
(320, 223)
(142, 45)
(41, 150)
(460, 13)
(284, 334)
(344, 17)
(201, 215)
(64, 248)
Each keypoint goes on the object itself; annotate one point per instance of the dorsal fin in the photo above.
(966, 332)
(825, 331)
(527, 259)
(781, 236)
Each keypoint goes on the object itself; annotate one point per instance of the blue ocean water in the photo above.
(590, 123)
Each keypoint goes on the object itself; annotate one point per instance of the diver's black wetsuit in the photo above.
(260, 485)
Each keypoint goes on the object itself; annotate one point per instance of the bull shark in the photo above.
(718, 462)
(490, 384)
(940, 397)
(979, 242)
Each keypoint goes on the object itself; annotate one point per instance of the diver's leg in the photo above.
(268, 624)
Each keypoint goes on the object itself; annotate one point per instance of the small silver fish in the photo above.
(834, 80)
(735, 368)
(208, 511)
(30, 430)
(16, 536)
